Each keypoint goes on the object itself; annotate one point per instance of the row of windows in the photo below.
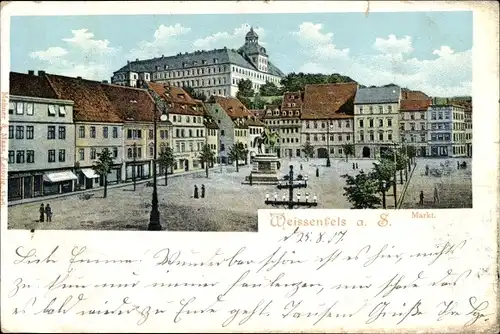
(105, 132)
(28, 108)
(289, 130)
(187, 119)
(212, 132)
(440, 115)
(30, 130)
(94, 151)
(412, 126)
(185, 73)
(181, 147)
(283, 113)
(255, 131)
(459, 149)
(371, 123)
(380, 109)
(372, 136)
(414, 115)
(283, 121)
(18, 157)
(256, 75)
(323, 138)
(440, 136)
(181, 133)
(423, 138)
(288, 140)
(240, 133)
(331, 122)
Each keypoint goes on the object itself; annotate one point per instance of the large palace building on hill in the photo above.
(213, 72)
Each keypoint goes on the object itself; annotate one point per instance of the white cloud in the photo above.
(83, 56)
(230, 40)
(443, 51)
(316, 43)
(51, 54)
(166, 38)
(83, 39)
(394, 46)
(448, 74)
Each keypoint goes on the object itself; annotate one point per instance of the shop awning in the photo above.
(90, 173)
(59, 176)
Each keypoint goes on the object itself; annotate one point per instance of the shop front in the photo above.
(114, 176)
(58, 182)
(89, 178)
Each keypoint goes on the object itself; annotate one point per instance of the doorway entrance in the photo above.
(366, 152)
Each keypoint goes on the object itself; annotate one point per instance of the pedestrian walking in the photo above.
(426, 170)
(250, 178)
(300, 166)
(317, 172)
(196, 191)
(357, 166)
(436, 195)
(202, 191)
(458, 164)
(353, 165)
(48, 213)
(421, 202)
(42, 212)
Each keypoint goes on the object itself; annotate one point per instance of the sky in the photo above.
(428, 51)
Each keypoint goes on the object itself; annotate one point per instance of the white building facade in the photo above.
(212, 72)
(446, 131)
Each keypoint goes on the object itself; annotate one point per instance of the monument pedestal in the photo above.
(264, 169)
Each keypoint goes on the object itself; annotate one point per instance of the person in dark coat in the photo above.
(300, 166)
(196, 191)
(317, 172)
(353, 165)
(357, 166)
(202, 191)
(42, 213)
(421, 201)
(48, 213)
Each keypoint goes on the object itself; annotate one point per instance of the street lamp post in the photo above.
(384, 184)
(134, 154)
(328, 164)
(290, 203)
(395, 171)
(154, 218)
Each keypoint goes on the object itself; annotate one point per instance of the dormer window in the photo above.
(204, 62)
(216, 60)
(166, 67)
(183, 107)
(195, 63)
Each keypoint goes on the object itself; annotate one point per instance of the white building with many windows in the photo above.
(376, 117)
(212, 72)
(41, 139)
(446, 131)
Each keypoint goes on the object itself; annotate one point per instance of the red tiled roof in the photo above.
(414, 95)
(131, 103)
(30, 85)
(91, 103)
(329, 101)
(414, 105)
(232, 106)
(259, 113)
(178, 100)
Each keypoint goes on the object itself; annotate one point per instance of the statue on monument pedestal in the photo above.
(267, 138)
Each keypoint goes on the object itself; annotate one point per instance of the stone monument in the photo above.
(265, 166)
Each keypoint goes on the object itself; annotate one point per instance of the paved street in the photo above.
(454, 189)
(228, 206)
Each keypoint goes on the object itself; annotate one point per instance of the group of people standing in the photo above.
(45, 211)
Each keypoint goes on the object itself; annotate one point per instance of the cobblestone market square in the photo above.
(230, 205)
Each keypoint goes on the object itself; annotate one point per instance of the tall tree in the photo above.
(102, 166)
(348, 150)
(236, 153)
(245, 89)
(308, 150)
(166, 161)
(269, 89)
(194, 94)
(361, 191)
(206, 156)
(258, 102)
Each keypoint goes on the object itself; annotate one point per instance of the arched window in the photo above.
(129, 152)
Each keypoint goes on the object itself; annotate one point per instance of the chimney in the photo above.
(31, 72)
(41, 73)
